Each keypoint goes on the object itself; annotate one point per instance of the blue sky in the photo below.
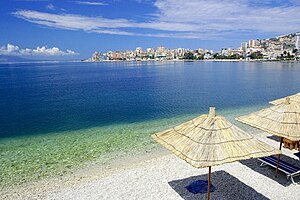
(74, 29)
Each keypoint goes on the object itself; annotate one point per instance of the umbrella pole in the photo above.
(276, 173)
(208, 187)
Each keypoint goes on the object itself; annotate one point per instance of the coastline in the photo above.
(161, 175)
(114, 163)
(205, 60)
(77, 150)
(62, 153)
(175, 60)
(69, 157)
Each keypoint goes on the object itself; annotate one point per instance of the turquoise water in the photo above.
(58, 116)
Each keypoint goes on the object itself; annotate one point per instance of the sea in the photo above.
(57, 116)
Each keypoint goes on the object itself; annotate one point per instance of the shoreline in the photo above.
(175, 60)
(68, 155)
(111, 144)
(152, 173)
(206, 60)
(92, 171)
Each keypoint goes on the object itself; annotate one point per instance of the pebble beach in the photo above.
(161, 175)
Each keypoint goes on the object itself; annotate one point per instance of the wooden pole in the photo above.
(280, 145)
(208, 187)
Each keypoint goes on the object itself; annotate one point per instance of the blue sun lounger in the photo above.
(290, 170)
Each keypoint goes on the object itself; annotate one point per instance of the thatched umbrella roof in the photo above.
(282, 120)
(293, 98)
(210, 140)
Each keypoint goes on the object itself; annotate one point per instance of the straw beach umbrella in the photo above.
(210, 140)
(282, 120)
(293, 98)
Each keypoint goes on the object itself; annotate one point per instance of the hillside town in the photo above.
(285, 47)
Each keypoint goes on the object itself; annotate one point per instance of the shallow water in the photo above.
(55, 116)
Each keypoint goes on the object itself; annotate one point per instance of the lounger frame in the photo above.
(290, 170)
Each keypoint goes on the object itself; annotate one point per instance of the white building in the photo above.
(297, 44)
(253, 43)
(150, 50)
(244, 46)
(203, 51)
(208, 56)
(180, 52)
(96, 56)
(139, 51)
(225, 51)
(161, 52)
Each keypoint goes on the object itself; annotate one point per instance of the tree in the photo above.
(216, 55)
(235, 56)
(295, 50)
(200, 57)
(256, 55)
(189, 56)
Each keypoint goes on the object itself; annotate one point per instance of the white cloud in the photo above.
(91, 3)
(50, 6)
(11, 49)
(229, 15)
(186, 19)
(105, 25)
(69, 21)
(31, 0)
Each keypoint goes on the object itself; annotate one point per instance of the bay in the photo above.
(55, 116)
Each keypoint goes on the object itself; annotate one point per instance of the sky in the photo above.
(74, 29)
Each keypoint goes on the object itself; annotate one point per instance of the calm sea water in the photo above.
(57, 117)
(41, 98)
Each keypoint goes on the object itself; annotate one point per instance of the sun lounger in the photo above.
(290, 170)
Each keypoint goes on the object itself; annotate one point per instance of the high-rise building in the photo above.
(297, 44)
(253, 43)
(244, 46)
